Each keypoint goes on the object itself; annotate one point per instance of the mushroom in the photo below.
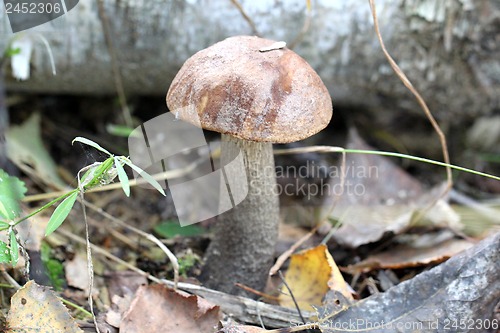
(254, 92)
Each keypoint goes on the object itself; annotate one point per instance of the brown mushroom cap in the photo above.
(272, 96)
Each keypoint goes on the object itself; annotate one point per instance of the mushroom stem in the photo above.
(242, 248)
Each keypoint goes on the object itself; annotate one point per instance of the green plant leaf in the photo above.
(4, 225)
(4, 253)
(14, 249)
(146, 176)
(122, 176)
(12, 51)
(170, 229)
(119, 130)
(60, 213)
(91, 143)
(12, 191)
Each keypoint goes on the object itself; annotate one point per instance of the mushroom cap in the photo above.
(233, 88)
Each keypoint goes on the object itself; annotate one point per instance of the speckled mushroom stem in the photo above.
(242, 249)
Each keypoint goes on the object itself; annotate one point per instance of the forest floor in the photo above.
(371, 235)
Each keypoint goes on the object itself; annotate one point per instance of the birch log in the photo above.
(449, 49)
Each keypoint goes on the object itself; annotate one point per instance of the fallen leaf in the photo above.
(32, 232)
(125, 283)
(120, 305)
(76, 272)
(405, 255)
(36, 308)
(464, 289)
(121, 288)
(310, 275)
(25, 148)
(379, 197)
(160, 309)
(12, 190)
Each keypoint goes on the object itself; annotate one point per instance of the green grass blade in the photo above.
(91, 143)
(4, 253)
(146, 176)
(421, 159)
(122, 177)
(119, 130)
(14, 249)
(170, 229)
(60, 213)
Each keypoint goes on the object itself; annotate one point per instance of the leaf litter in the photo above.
(379, 198)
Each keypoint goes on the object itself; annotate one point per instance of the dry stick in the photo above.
(90, 266)
(256, 292)
(285, 255)
(246, 17)
(114, 63)
(11, 280)
(419, 98)
(292, 296)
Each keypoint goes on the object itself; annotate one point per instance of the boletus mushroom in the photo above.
(254, 92)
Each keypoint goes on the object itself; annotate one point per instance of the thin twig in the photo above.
(285, 255)
(256, 292)
(90, 265)
(423, 105)
(305, 26)
(11, 280)
(246, 17)
(292, 296)
(114, 63)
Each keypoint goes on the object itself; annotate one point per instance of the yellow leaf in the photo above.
(36, 308)
(310, 275)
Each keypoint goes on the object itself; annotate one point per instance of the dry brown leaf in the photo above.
(404, 256)
(160, 309)
(36, 308)
(122, 287)
(76, 272)
(380, 197)
(33, 232)
(310, 275)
